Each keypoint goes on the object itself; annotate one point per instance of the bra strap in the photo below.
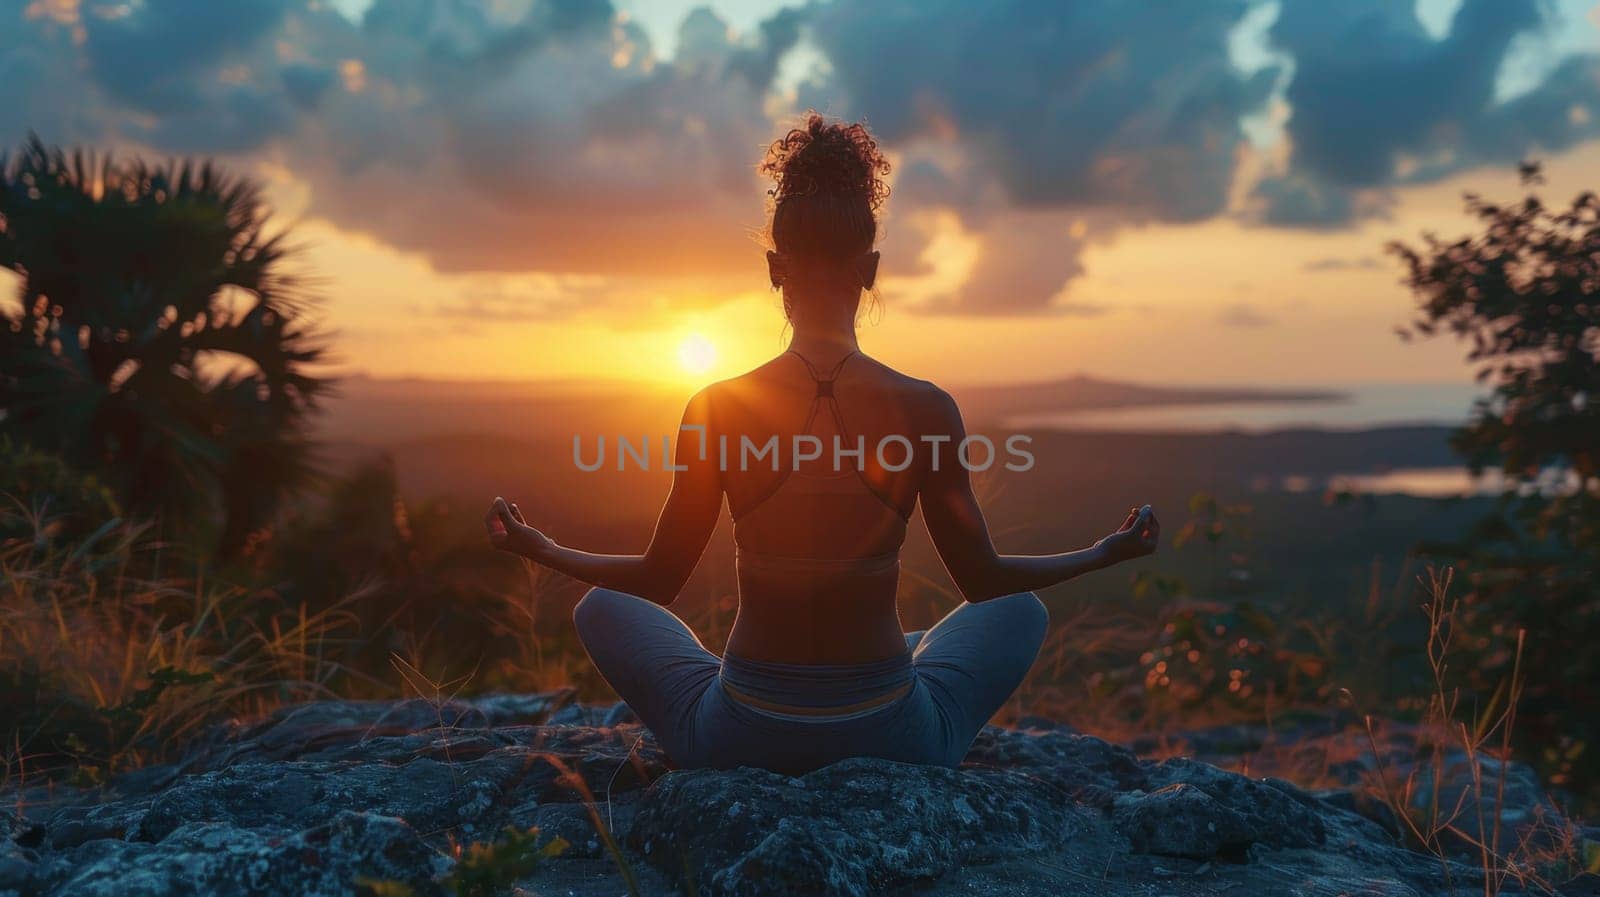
(824, 384)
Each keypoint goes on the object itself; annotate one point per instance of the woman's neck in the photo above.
(824, 330)
(823, 343)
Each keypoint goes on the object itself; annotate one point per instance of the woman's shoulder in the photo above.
(761, 385)
(752, 385)
(925, 396)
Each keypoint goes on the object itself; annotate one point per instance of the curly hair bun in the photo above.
(827, 157)
(829, 186)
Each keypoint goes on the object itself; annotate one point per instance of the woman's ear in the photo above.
(867, 267)
(775, 269)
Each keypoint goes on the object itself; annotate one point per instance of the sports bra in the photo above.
(834, 521)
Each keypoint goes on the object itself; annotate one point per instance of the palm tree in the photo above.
(157, 339)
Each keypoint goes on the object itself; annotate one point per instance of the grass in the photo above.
(107, 663)
(603, 827)
(1479, 737)
(115, 653)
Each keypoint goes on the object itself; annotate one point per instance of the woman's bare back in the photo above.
(819, 521)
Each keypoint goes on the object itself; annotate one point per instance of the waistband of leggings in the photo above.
(754, 561)
(816, 691)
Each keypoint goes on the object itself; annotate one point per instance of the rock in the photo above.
(327, 860)
(429, 795)
(849, 829)
(1527, 815)
(574, 822)
(1275, 813)
(298, 730)
(16, 861)
(1180, 820)
(618, 714)
(469, 793)
(1366, 805)
(314, 798)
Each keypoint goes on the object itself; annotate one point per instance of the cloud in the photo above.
(546, 136)
(1376, 101)
(1243, 314)
(1020, 263)
(511, 137)
(1134, 105)
(1131, 111)
(493, 299)
(164, 73)
(154, 56)
(1333, 263)
(559, 146)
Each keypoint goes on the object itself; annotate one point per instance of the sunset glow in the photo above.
(696, 354)
(1013, 248)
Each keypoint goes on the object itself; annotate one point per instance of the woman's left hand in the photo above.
(508, 531)
(1136, 538)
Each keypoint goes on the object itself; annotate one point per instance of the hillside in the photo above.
(377, 410)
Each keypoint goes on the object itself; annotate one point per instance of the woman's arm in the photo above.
(961, 534)
(682, 530)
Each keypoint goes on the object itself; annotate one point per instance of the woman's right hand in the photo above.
(508, 531)
(1136, 538)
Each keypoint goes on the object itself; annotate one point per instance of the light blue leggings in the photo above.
(961, 672)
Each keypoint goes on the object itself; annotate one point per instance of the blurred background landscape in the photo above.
(292, 290)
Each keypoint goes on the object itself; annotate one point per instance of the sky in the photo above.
(1194, 192)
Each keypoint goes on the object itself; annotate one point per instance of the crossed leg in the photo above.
(971, 661)
(974, 658)
(652, 660)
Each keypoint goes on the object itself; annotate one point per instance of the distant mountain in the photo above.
(375, 411)
(1083, 393)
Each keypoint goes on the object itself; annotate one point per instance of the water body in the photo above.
(1423, 482)
(1362, 407)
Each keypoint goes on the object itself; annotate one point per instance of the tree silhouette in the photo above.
(158, 339)
(1524, 294)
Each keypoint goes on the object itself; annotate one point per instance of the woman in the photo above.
(817, 668)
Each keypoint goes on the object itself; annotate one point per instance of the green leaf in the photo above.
(373, 887)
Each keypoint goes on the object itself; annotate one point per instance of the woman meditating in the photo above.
(822, 454)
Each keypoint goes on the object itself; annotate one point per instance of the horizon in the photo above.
(1067, 376)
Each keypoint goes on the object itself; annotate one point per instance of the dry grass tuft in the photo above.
(106, 663)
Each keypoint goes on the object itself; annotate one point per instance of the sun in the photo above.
(696, 354)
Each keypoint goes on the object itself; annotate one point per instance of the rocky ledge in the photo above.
(349, 798)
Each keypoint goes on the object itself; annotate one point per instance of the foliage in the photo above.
(103, 669)
(1442, 818)
(49, 501)
(1235, 650)
(486, 868)
(1524, 294)
(426, 590)
(113, 651)
(157, 338)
